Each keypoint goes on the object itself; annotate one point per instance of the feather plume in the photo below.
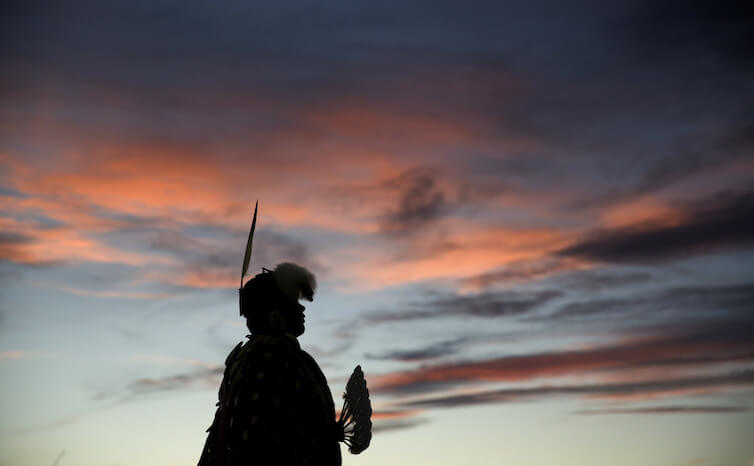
(356, 413)
(247, 254)
(295, 281)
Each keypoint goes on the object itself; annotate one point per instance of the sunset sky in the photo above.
(532, 223)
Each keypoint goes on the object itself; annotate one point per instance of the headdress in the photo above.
(247, 258)
(289, 279)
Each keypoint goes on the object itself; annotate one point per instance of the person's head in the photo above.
(269, 301)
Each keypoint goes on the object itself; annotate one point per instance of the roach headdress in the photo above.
(288, 280)
(247, 258)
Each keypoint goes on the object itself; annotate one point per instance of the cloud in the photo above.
(465, 251)
(106, 294)
(15, 354)
(726, 221)
(433, 351)
(384, 421)
(420, 201)
(693, 302)
(204, 378)
(483, 305)
(698, 346)
(600, 280)
(397, 424)
(683, 409)
(14, 237)
(679, 30)
(210, 262)
(628, 390)
(523, 271)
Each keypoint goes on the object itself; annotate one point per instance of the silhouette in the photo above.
(274, 405)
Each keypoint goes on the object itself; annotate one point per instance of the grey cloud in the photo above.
(397, 424)
(598, 280)
(691, 302)
(433, 351)
(12, 237)
(144, 386)
(420, 201)
(217, 257)
(701, 344)
(482, 305)
(726, 221)
(649, 388)
(695, 154)
(683, 409)
(679, 30)
(518, 272)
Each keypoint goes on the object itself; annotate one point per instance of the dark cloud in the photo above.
(420, 201)
(483, 305)
(558, 271)
(510, 71)
(12, 237)
(397, 424)
(204, 378)
(598, 280)
(724, 222)
(698, 153)
(274, 248)
(433, 351)
(694, 30)
(208, 259)
(647, 389)
(518, 272)
(689, 301)
(668, 410)
(703, 344)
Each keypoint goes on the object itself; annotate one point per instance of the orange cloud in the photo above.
(645, 210)
(581, 363)
(14, 354)
(466, 252)
(52, 245)
(103, 179)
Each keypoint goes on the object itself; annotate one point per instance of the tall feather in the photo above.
(247, 254)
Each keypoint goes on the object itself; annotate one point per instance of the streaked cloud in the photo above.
(687, 348)
(641, 390)
(724, 221)
(14, 354)
(681, 409)
(436, 350)
(484, 305)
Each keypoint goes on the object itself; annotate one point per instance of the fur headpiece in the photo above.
(295, 281)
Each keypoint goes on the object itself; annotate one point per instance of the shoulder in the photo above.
(233, 354)
(276, 345)
(274, 352)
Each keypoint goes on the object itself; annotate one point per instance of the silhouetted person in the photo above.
(275, 407)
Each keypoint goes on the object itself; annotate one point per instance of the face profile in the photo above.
(289, 318)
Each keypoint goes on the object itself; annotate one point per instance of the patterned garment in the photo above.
(274, 408)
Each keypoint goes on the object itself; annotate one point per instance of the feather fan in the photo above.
(356, 413)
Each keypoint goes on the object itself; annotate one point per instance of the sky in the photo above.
(532, 223)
